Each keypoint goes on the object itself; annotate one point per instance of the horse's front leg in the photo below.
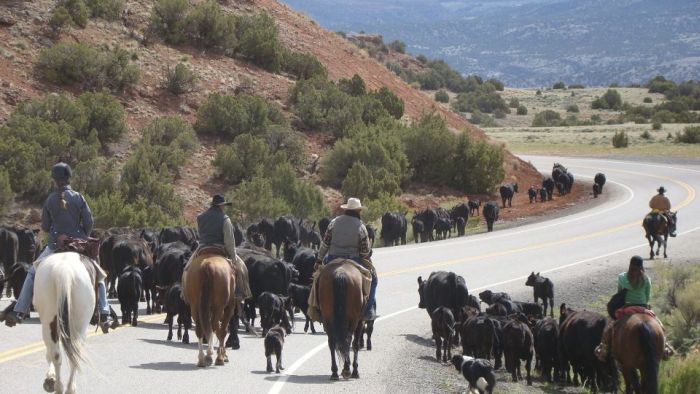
(665, 245)
(651, 246)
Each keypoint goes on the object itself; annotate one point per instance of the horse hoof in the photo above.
(225, 359)
(201, 364)
(346, 374)
(269, 369)
(208, 360)
(355, 375)
(50, 385)
(219, 361)
(335, 377)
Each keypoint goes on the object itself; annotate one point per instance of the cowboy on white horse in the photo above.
(66, 213)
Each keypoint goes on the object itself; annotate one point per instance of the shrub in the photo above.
(538, 92)
(559, 85)
(112, 210)
(610, 100)
(60, 20)
(546, 118)
(430, 80)
(487, 102)
(384, 202)
(302, 65)
(208, 25)
(482, 119)
(514, 102)
(572, 108)
(477, 166)
(496, 84)
(620, 140)
(680, 375)
(105, 115)
(256, 199)
(577, 86)
(596, 118)
(288, 142)
(362, 183)
(429, 145)
(241, 160)
(230, 116)
(398, 46)
(168, 20)
(179, 79)
(690, 135)
(656, 126)
(390, 101)
(95, 177)
(6, 194)
(354, 86)
(67, 64)
(105, 9)
(257, 36)
(645, 135)
(78, 12)
(522, 110)
(174, 134)
(321, 105)
(441, 96)
(647, 100)
(422, 59)
(659, 84)
(499, 114)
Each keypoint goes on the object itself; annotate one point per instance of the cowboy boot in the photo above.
(13, 318)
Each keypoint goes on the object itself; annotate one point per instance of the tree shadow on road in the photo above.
(167, 366)
(303, 379)
(419, 340)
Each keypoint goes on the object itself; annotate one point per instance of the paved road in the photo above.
(139, 359)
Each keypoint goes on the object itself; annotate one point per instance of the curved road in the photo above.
(139, 359)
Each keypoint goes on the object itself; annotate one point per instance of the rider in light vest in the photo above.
(65, 213)
(662, 205)
(346, 237)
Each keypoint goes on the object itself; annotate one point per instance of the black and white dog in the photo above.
(478, 373)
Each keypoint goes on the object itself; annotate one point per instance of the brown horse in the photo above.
(657, 230)
(210, 285)
(341, 300)
(638, 344)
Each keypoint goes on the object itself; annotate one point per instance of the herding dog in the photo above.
(274, 341)
(478, 373)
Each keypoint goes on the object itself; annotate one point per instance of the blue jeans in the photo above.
(372, 299)
(24, 301)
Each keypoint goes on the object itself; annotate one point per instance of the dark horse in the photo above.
(657, 230)
(341, 301)
(637, 344)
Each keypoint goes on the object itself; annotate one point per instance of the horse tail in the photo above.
(69, 333)
(648, 340)
(340, 321)
(206, 278)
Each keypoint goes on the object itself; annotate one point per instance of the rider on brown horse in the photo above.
(346, 237)
(66, 214)
(637, 286)
(216, 237)
(661, 205)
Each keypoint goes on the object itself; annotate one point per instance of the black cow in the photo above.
(299, 296)
(429, 218)
(148, 278)
(125, 252)
(176, 306)
(186, 234)
(306, 231)
(560, 188)
(304, 259)
(442, 322)
(273, 311)
(518, 344)
(543, 194)
(567, 181)
(480, 338)
(461, 226)
(474, 206)
(172, 258)
(443, 228)
(490, 214)
(459, 211)
(323, 225)
(596, 190)
(129, 292)
(9, 248)
(253, 235)
(393, 229)
(490, 297)
(418, 230)
(316, 239)
(285, 228)
(599, 179)
(528, 309)
(558, 169)
(507, 192)
(546, 333)
(543, 289)
(151, 239)
(443, 289)
(548, 185)
(532, 194)
(267, 229)
(372, 233)
(579, 334)
(238, 236)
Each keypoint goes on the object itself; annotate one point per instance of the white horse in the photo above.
(64, 296)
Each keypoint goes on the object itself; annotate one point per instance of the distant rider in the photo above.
(65, 213)
(346, 237)
(660, 204)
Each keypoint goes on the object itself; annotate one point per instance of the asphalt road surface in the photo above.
(135, 360)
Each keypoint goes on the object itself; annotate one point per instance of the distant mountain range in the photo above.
(533, 43)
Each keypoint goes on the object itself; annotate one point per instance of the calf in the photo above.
(367, 328)
(175, 305)
(507, 191)
(543, 195)
(461, 226)
(532, 194)
(480, 338)
(299, 295)
(548, 186)
(518, 344)
(543, 289)
(491, 297)
(599, 179)
(596, 190)
(490, 215)
(546, 333)
(527, 308)
(274, 341)
(443, 325)
(273, 311)
(417, 226)
(149, 288)
(443, 228)
(129, 292)
(478, 373)
(474, 206)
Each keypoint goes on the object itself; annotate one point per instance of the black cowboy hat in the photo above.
(218, 200)
(661, 190)
(61, 172)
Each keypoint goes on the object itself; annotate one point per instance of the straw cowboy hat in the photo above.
(353, 204)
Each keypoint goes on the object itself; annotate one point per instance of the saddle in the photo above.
(87, 247)
(212, 250)
(366, 274)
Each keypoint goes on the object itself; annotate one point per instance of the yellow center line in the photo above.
(35, 347)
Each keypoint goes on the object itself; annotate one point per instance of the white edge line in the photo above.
(279, 384)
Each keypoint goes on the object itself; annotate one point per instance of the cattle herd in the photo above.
(514, 330)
